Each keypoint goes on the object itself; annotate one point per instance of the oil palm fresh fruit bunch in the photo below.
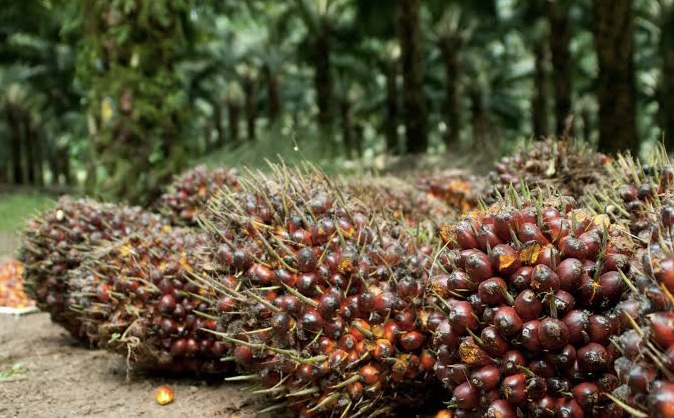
(187, 195)
(56, 241)
(633, 190)
(12, 293)
(326, 311)
(459, 191)
(569, 166)
(136, 296)
(525, 292)
(397, 199)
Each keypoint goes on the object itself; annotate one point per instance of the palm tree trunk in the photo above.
(273, 94)
(219, 129)
(478, 118)
(414, 101)
(666, 108)
(613, 28)
(450, 56)
(391, 122)
(323, 79)
(347, 129)
(562, 64)
(251, 107)
(539, 101)
(234, 116)
(15, 145)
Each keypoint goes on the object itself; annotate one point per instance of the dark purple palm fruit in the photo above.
(143, 297)
(339, 322)
(458, 190)
(528, 304)
(186, 197)
(57, 241)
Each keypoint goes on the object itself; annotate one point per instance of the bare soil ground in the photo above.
(60, 378)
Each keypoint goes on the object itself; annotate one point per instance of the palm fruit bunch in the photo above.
(632, 191)
(398, 199)
(136, 296)
(187, 195)
(56, 242)
(567, 166)
(460, 191)
(323, 300)
(12, 294)
(525, 291)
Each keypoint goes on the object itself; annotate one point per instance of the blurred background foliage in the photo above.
(115, 96)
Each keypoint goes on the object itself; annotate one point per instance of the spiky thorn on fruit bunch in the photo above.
(567, 165)
(137, 296)
(187, 196)
(57, 240)
(632, 191)
(646, 368)
(399, 200)
(327, 311)
(525, 290)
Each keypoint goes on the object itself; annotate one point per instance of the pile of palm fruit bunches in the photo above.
(376, 297)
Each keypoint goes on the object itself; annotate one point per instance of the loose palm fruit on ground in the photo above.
(327, 313)
(525, 290)
(137, 296)
(568, 166)
(12, 294)
(187, 195)
(461, 192)
(399, 200)
(56, 242)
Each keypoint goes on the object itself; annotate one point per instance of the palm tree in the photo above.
(557, 12)
(613, 28)
(666, 86)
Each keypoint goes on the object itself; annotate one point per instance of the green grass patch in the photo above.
(17, 208)
(17, 370)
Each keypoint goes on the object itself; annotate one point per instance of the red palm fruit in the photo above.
(661, 399)
(486, 378)
(608, 382)
(568, 408)
(563, 359)
(560, 303)
(593, 358)
(506, 259)
(506, 223)
(500, 409)
(329, 303)
(543, 407)
(486, 237)
(243, 355)
(640, 376)
(410, 341)
(521, 279)
(406, 320)
(311, 320)
(447, 335)
(549, 256)
(553, 334)
(573, 247)
(458, 373)
(466, 396)
(586, 395)
(589, 293)
(529, 337)
(612, 286)
(511, 362)
(462, 233)
(472, 354)
(513, 388)
(600, 329)
(462, 317)
(458, 281)
(530, 232)
(592, 241)
(493, 342)
(664, 273)
(527, 305)
(569, 272)
(662, 328)
(507, 321)
(616, 262)
(544, 279)
(478, 267)
(557, 228)
(536, 388)
(577, 323)
(368, 374)
(493, 291)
